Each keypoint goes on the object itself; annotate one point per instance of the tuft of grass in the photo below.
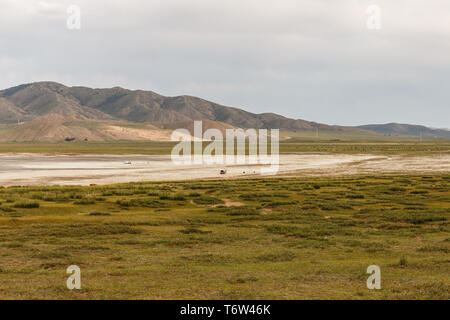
(236, 211)
(403, 262)
(207, 200)
(99, 214)
(193, 230)
(27, 204)
(85, 202)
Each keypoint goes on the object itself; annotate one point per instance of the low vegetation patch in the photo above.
(27, 204)
(289, 238)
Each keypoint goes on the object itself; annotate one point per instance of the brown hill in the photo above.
(46, 98)
(56, 128)
(49, 111)
(27, 102)
(407, 129)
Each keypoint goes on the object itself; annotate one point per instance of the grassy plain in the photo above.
(277, 238)
(160, 148)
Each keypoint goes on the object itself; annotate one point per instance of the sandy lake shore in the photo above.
(39, 169)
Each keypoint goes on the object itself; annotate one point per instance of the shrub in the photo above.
(7, 209)
(27, 205)
(207, 200)
(149, 203)
(75, 196)
(397, 189)
(194, 194)
(123, 203)
(355, 196)
(236, 211)
(85, 201)
(272, 204)
(403, 262)
(99, 214)
(419, 192)
(193, 230)
(283, 256)
(177, 197)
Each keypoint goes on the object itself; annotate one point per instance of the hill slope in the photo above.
(29, 101)
(406, 129)
(49, 111)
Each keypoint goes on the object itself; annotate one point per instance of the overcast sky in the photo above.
(309, 59)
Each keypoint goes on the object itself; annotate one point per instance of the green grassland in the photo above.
(283, 238)
(160, 148)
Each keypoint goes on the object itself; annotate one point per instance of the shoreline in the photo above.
(45, 169)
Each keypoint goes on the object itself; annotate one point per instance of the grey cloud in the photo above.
(310, 59)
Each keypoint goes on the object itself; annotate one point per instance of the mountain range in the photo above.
(49, 111)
